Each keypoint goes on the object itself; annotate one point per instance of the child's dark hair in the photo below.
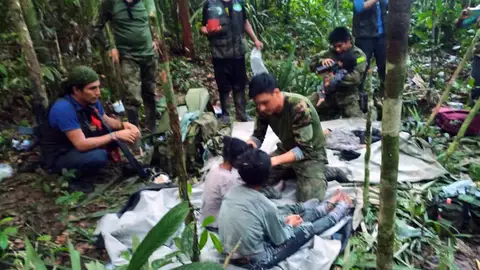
(261, 83)
(232, 148)
(349, 61)
(254, 167)
(339, 34)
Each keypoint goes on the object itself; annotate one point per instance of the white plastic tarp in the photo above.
(153, 205)
(417, 161)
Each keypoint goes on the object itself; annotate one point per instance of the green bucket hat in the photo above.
(81, 75)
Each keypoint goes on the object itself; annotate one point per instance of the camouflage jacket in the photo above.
(351, 82)
(297, 125)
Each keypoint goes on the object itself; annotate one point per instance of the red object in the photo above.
(449, 201)
(115, 154)
(213, 24)
(450, 120)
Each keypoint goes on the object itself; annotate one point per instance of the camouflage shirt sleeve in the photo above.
(318, 58)
(261, 126)
(355, 77)
(105, 15)
(302, 128)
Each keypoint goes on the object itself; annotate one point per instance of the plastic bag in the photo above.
(256, 62)
(5, 171)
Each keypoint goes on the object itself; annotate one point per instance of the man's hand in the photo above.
(258, 44)
(115, 56)
(156, 47)
(252, 143)
(320, 101)
(294, 220)
(126, 135)
(132, 127)
(328, 62)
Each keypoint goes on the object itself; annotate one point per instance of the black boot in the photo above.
(240, 106)
(224, 95)
(132, 116)
(151, 115)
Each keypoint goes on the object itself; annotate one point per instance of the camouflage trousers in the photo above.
(310, 176)
(139, 79)
(331, 108)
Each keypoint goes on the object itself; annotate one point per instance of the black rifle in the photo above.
(322, 69)
(141, 171)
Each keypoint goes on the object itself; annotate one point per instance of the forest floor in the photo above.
(44, 210)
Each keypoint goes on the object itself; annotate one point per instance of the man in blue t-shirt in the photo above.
(74, 137)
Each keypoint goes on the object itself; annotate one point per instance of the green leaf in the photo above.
(48, 74)
(44, 238)
(189, 189)
(159, 234)
(168, 259)
(3, 241)
(135, 242)
(3, 70)
(203, 239)
(95, 266)
(208, 220)
(187, 241)
(74, 257)
(33, 258)
(200, 266)
(10, 231)
(216, 242)
(6, 220)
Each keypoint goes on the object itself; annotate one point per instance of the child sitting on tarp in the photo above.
(246, 215)
(346, 64)
(221, 178)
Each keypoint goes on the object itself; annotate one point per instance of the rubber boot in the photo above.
(240, 106)
(224, 95)
(132, 116)
(151, 115)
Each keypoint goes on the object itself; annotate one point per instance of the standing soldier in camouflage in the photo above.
(135, 50)
(344, 101)
(295, 121)
(228, 51)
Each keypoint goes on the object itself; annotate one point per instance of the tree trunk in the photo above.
(397, 53)
(184, 14)
(31, 19)
(368, 136)
(40, 94)
(166, 80)
(461, 132)
(446, 93)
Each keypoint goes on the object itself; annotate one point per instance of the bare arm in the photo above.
(285, 158)
(83, 144)
(113, 123)
(249, 30)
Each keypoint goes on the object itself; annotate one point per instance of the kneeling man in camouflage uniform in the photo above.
(295, 121)
(344, 100)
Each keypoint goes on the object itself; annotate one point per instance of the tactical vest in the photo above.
(228, 42)
(365, 24)
(54, 143)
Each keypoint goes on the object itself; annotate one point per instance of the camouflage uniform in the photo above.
(299, 130)
(133, 39)
(345, 100)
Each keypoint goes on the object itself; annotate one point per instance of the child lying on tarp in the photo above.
(246, 215)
